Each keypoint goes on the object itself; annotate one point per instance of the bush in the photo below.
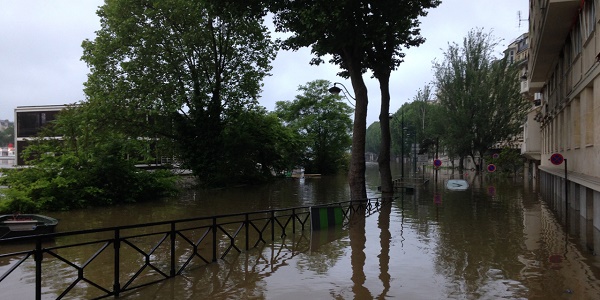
(66, 182)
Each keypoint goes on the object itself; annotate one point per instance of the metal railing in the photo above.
(161, 250)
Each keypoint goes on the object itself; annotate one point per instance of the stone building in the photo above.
(563, 75)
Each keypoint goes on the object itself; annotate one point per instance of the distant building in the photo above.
(4, 124)
(29, 120)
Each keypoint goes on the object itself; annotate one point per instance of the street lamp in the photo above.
(336, 91)
(402, 146)
(415, 155)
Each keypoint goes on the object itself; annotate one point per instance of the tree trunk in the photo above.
(356, 180)
(385, 172)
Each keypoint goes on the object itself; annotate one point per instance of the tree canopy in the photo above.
(180, 70)
(322, 120)
(480, 96)
(359, 35)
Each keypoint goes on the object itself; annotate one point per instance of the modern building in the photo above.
(564, 78)
(29, 120)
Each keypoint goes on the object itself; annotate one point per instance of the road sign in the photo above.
(422, 158)
(556, 159)
(437, 199)
(491, 168)
(495, 155)
(437, 163)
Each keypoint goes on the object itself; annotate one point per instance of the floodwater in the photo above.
(496, 240)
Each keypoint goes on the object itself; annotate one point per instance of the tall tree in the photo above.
(358, 35)
(323, 121)
(180, 70)
(391, 26)
(480, 95)
(334, 28)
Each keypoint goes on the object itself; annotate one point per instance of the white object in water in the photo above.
(457, 184)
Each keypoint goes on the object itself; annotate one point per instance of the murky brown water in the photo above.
(497, 240)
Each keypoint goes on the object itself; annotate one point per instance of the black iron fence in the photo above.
(124, 258)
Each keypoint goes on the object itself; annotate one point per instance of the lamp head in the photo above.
(335, 90)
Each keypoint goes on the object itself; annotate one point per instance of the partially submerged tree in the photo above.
(334, 28)
(179, 70)
(359, 35)
(480, 95)
(392, 26)
(323, 122)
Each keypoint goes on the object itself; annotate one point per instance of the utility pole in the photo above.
(402, 147)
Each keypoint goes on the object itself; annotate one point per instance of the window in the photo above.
(30, 123)
(575, 111)
(576, 40)
(589, 117)
(587, 17)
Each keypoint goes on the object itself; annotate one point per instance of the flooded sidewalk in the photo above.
(494, 240)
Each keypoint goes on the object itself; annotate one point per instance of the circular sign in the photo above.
(495, 155)
(491, 168)
(556, 159)
(437, 162)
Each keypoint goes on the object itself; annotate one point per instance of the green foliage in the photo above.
(509, 161)
(373, 140)
(357, 36)
(322, 122)
(184, 71)
(89, 167)
(268, 147)
(480, 96)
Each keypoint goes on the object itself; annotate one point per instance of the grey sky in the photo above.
(40, 50)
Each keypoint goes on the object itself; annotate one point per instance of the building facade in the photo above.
(29, 120)
(563, 76)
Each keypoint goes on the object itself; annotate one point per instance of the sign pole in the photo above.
(557, 159)
(566, 191)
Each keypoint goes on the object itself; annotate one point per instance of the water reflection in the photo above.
(384, 241)
(495, 240)
(358, 257)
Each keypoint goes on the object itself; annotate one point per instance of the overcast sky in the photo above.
(40, 51)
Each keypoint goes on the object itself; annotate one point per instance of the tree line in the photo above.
(473, 103)
(94, 163)
(182, 79)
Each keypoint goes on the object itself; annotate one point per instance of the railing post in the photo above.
(293, 221)
(246, 224)
(215, 242)
(172, 273)
(272, 225)
(117, 246)
(38, 255)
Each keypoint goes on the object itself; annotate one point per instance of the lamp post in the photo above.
(336, 91)
(415, 155)
(402, 147)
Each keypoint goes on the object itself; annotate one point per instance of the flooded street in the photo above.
(496, 240)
